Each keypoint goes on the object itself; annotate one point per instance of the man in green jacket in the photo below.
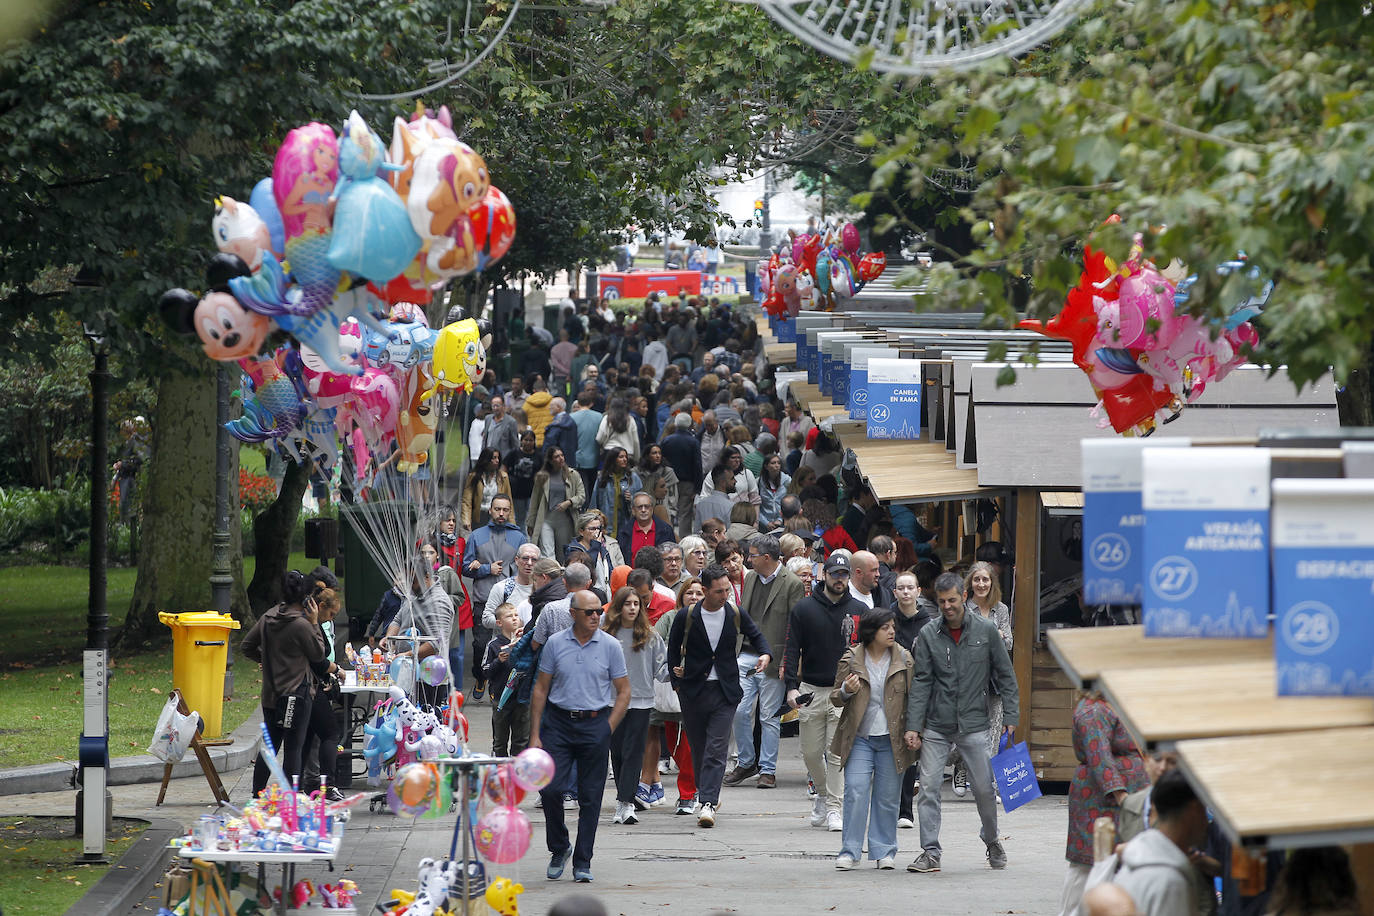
(956, 661)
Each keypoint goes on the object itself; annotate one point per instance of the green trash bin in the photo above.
(364, 581)
(552, 318)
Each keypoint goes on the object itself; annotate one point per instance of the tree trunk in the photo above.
(174, 560)
(272, 531)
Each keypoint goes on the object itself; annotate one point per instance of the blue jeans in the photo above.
(455, 660)
(871, 788)
(769, 692)
(935, 749)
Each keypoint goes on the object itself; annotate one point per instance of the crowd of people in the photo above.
(653, 560)
(646, 518)
(658, 574)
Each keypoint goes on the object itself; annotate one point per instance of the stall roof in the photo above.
(780, 354)
(1084, 653)
(1308, 788)
(1162, 706)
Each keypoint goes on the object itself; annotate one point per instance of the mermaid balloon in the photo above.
(303, 179)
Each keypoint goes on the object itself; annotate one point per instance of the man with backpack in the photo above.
(703, 659)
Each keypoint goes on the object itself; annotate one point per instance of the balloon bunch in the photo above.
(341, 248)
(500, 834)
(1145, 356)
(822, 269)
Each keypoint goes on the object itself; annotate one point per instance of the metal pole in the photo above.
(463, 811)
(93, 752)
(765, 222)
(221, 577)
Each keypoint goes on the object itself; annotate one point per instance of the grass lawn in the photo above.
(37, 877)
(43, 614)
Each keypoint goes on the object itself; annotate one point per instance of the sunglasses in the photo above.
(589, 611)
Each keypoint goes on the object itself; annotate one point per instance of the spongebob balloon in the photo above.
(502, 896)
(460, 357)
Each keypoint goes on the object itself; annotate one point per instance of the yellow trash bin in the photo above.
(200, 649)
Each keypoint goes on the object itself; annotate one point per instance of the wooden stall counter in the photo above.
(1309, 788)
(1162, 706)
(1084, 653)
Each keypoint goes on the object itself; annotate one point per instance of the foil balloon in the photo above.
(849, 238)
(493, 227)
(239, 230)
(460, 357)
(303, 178)
(434, 670)
(264, 203)
(872, 265)
(372, 236)
(226, 329)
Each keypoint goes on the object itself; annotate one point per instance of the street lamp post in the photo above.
(221, 576)
(93, 800)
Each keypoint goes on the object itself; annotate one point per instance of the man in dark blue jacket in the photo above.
(704, 662)
(561, 432)
(682, 451)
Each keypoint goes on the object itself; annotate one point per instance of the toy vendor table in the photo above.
(264, 860)
(357, 710)
(1161, 706)
(1084, 653)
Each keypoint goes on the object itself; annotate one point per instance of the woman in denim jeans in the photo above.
(871, 684)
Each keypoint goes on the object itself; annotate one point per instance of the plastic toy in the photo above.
(502, 896)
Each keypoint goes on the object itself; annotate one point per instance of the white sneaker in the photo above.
(619, 813)
(707, 817)
(833, 822)
(905, 823)
(887, 862)
(630, 816)
(818, 813)
(664, 766)
(845, 863)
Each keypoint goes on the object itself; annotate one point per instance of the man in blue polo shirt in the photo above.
(580, 697)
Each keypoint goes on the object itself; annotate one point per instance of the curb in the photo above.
(142, 768)
(137, 872)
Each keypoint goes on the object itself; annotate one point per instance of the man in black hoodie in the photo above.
(820, 629)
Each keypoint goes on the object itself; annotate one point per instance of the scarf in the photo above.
(448, 540)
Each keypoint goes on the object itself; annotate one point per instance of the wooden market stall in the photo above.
(1017, 445)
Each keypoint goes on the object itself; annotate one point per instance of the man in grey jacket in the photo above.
(948, 707)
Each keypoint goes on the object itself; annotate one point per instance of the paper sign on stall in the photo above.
(858, 378)
(1113, 520)
(1206, 545)
(894, 399)
(1324, 587)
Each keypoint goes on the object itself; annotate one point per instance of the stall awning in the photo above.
(1308, 788)
(1084, 653)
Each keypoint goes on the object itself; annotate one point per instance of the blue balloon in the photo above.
(265, 202)
(373, 237)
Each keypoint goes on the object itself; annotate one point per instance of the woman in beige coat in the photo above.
(871, 684)
(555, 502)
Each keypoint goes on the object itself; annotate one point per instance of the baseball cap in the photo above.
(547, 566)
(837, 564)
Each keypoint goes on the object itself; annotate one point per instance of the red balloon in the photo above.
(774, 305)
(1077, 320)
(493, 225)
(872, 265)
(811, 247)
(1134, 402)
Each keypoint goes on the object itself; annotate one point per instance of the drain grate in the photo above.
(807, 856)
(659, 857)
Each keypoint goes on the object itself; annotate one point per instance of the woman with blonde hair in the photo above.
(805, 477)
(985, 598)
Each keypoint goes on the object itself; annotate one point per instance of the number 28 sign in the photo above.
(1324, 587)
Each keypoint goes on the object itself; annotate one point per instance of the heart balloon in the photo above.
(872, 265)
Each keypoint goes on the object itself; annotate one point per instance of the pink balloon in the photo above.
(374, 404)
(798, 246)
(1120, 323)
(533, 769)
(503, 835)
(849, 238)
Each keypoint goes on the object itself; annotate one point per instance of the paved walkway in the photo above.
(761, 859)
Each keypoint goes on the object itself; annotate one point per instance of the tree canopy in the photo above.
(1214, 128)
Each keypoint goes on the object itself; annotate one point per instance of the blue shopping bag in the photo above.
(1015, 775)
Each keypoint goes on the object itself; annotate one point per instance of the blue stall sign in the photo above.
(1206, 544)
(1113, 519)
(894, 399)
(1324, 587)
